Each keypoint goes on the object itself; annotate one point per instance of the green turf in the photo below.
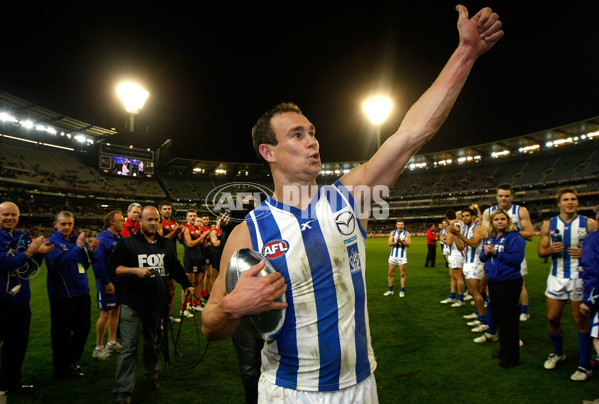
(424, 350)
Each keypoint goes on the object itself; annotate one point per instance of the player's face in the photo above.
(133, 214)
(150, 220)
(166, 211)
(400, 226)
(445, 224)
(206, 221)
(568, 203)
(466, 217)
(64, 225)
(500, 222)
(118, 222)
(504, 198)
(297, 152)
(9, 216)
(191, 218)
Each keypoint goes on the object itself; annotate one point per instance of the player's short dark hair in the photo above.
(110, 217)
(263, 133)
(473, 212)
(505, 187)
(164, 203)
(450, 214)
(563, 191)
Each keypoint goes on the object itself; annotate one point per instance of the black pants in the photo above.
(504, 298)
(431, 256)
(14, 335)
(248, 348)
(69, 330)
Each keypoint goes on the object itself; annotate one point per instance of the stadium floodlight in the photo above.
(134, 97)
(377, 110)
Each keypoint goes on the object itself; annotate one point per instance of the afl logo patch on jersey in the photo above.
(275, 249)
(346, 222)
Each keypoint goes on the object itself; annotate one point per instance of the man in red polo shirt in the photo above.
(431, 243)
(132, 222)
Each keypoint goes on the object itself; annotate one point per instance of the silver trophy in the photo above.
(269, 323)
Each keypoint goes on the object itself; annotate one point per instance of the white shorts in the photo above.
(445, 249)
(455, 261)
(398, 260)
(595, 326)
(564, 288)
(474, 270)
(363, 392)
(523, 268)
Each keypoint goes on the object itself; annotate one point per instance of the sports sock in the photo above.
(452, 295)
(461, 298)
(403, 289)
(557, 341)
(585, 342)
(524, 309)
(390, 288)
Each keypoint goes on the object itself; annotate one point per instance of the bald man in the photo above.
(19, 256)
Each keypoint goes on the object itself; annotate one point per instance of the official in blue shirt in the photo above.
(19, 259)
(68, 290)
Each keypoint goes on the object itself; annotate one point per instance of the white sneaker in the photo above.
(448, 300)
(474, 323)
(595, 401)
(480, 328)
(101, 353)
(524, 317)
(472, 316)
(553, 360)
(174, 319)
(486, 337)
(402, 294)
(467, 297)
(186, 313)
(521, 343)
(388, 293)
(581, 374)
(114, 346)
(197, 308)
(458, 304)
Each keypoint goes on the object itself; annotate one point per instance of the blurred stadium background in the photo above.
(50, 162)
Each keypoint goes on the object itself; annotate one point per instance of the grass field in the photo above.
(424, 350)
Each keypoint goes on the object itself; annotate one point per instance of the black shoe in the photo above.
(23, 388)
(153, 384)
(76, 370)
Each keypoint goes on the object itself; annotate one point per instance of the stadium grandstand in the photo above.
(50, 162)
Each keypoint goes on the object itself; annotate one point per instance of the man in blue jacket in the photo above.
(19, 259)
(105, 285)
(68, 291)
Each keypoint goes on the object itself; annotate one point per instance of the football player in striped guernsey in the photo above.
(315, 239)
(400, 239)
(561, 239)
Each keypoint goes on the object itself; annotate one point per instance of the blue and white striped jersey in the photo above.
(563, 265)
(471, 255)
(325, 341)
(399, 251)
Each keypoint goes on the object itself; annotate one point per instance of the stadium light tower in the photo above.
(133, 97)
(377, 109)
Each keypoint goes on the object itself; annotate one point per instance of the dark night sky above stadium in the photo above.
(212, 70)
